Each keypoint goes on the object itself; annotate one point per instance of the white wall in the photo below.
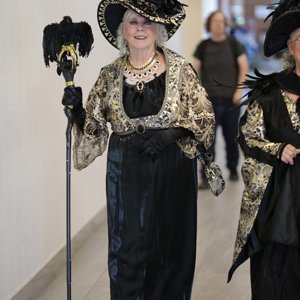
(206, 8)
(32, 151)
(192, 29)
(32, 122)
(188, 36)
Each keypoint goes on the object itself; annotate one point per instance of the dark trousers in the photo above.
(227, 116)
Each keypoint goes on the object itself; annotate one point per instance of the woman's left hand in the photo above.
(289, 153)
(161, 139)
(155, 144)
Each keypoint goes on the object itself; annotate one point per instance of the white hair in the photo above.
(162, 35)
(288, 61)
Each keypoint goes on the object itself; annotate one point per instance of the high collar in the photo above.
(289, 81)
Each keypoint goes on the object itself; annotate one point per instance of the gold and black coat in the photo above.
(151, 201)
(185, 105)
(270, 121)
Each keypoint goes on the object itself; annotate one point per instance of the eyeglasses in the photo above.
(295, 40)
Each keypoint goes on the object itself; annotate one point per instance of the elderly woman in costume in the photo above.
(269, 226)
(158, 112)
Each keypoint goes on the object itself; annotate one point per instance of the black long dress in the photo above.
(151, 205)
(273, 244)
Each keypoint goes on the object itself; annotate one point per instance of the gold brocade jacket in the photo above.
(185, 105)
(256, 174)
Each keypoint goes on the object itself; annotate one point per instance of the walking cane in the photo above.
(64, 43)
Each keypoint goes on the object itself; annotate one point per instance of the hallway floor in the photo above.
(217, 224)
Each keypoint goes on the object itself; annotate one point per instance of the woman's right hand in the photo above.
(72, 98)
(289, 153)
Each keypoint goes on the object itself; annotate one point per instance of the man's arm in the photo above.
(197, 64)
(243, 69)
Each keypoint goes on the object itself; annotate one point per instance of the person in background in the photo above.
(241, 31)
(221, 58)
(159, 112)
(269, 136)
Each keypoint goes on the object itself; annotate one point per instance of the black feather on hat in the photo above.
(66, 33)
(162, 8)
(110, 14)
(285, 19)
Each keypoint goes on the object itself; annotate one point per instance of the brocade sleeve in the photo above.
(92, 142)
(196, 113)
(254, 130)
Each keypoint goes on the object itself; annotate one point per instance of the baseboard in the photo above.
(47, 274)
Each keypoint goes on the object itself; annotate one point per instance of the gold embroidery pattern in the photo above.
(186, 106)
(254, 130)
(255, 174)
(93, 143)
(196, 112)
(291, 107)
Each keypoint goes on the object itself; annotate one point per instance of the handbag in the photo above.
(212, 170)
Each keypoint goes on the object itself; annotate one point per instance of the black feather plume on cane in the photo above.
(63, 43)
(66, 33)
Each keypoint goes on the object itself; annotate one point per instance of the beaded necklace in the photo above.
(138, 76)
(145, 65)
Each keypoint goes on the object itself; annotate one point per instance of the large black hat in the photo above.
(110, 14)
(285, 19)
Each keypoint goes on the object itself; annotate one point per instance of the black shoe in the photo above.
(203, 185)
(233, 176)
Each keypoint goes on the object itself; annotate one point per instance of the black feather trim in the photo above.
(169, 7)
(65, 33)
(258, 84)
(162, 8)
(281, 7)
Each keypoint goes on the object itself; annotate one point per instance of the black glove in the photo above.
(162, 138)
(65, 66)
(72, 100)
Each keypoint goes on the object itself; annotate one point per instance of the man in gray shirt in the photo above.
(222, 59)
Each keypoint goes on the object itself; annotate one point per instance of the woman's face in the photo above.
(139, 33)
(294, 45)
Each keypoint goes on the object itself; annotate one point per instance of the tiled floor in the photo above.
(217, 223)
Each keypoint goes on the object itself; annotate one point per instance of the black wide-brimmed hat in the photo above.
(285, 19)
(110, 14)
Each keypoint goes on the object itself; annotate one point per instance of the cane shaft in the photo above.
(68, 207)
